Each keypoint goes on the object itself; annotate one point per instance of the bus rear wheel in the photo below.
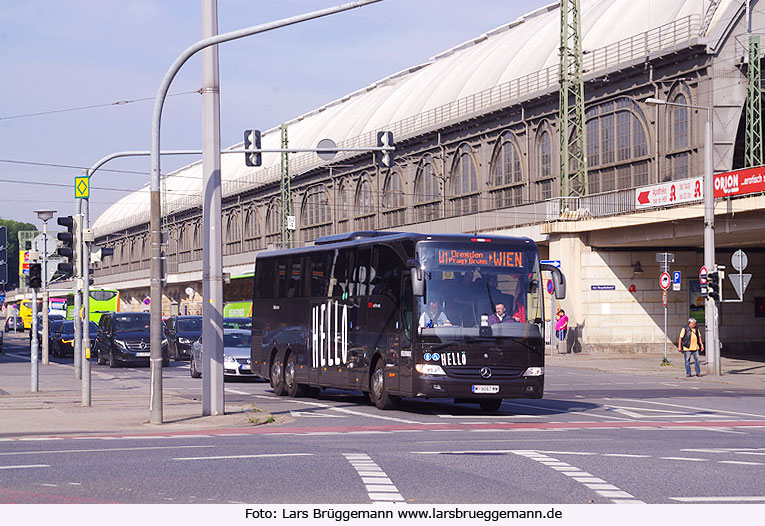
(290, 382)
(378, 394)
(490, 404)
(277, 378)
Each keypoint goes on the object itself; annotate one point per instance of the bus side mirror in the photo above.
(418, 277)
(559, 280)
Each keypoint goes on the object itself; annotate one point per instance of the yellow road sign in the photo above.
(82, 187)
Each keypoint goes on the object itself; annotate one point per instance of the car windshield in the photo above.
(68, 327)
(237, 323)
(126, 323)
(192, 325)
(236, 340)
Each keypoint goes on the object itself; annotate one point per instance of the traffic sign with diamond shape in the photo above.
(82, 187)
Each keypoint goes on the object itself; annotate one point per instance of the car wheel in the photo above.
(112, 363)
(277, 378)
(378, 394)
(166, 362)
(193, 368)
(490, 404)
(290, 382)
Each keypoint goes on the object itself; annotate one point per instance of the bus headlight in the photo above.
(534, 371)
(429, 369)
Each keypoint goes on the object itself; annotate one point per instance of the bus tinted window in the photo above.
(265, 278)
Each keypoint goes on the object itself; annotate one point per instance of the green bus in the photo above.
(237, 296)
(101, 301)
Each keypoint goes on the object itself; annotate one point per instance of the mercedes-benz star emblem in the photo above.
(485, 372)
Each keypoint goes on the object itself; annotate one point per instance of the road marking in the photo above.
(100, 450)
(234, 391)
(599, 486)
(741, 462)
(355, 413)
(26, 467)
(308, 414)
(264, 455)
(379, 487)
(719, 499)
(626, 455)
(487, 417)
(694, 408)
(690, 459)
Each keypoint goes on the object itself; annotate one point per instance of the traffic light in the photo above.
(69, 239)
(713, 286)
(97, 254)
(35, 275)
(252, 142)
(384, 157)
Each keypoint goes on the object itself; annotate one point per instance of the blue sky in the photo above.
(64, 54)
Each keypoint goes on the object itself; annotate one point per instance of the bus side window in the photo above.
(343, 262)
(294, 290)
(407, 306)
(282, 276)
(363, 274)
(265, 278)
(318, 268)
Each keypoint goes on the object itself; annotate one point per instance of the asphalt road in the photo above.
(595, 437)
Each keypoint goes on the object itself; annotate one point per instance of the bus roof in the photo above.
(364, 237)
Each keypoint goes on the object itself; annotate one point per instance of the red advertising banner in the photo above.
(672, 193)
(740, 182)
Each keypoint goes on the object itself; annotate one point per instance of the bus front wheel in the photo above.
(378, 394)
(490, 404)
(277, 378)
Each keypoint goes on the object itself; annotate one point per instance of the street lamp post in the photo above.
(45, 216)
(711, 321)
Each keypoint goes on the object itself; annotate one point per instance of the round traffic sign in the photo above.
(739, 260)
(550, 288)
(147, 300)
(326, 149)
(664, 280)
(703, 275)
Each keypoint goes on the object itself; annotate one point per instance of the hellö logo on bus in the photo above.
(329, 323)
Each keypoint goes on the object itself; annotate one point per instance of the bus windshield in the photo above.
(474, 285)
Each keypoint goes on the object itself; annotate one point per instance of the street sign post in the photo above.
(664, 281)
(740, 281)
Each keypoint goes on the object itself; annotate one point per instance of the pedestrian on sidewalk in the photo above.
(690, 344)
(561, 325)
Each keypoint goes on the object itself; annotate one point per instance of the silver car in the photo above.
(236, 354)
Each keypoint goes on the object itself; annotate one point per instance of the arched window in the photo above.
(617, 147)
(343, 206)
(231, 232)
(364, 213)
(464, 182)
(316, 217)
(427, 197)
(393, 201)
(679, 135)
(251, 228)
(506, 173)
(273, 223)
(544, 158)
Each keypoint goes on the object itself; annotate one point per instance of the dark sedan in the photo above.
(181, 332)
(63, 339)
(124, 337)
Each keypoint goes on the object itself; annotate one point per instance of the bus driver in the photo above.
(433, 316)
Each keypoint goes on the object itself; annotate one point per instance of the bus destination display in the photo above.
(490, 258)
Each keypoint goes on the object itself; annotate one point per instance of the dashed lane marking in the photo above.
(28, 466)
(237, 457)
(720, 499)
(378, 485)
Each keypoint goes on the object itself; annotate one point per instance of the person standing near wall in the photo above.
(690, 344)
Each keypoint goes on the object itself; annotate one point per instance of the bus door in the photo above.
(383, 322)
(333, 317)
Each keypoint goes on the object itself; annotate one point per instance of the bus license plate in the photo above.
(142, 354)
(486, 389)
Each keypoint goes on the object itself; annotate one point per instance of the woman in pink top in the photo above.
(561, 326)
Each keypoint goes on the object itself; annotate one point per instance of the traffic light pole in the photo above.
(77, 343)
(83, 262)
(33, 348)
(155, 211)
(711, 320)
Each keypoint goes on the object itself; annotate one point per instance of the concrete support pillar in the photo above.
(568, 248)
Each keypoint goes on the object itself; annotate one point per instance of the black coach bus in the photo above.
(403, 314)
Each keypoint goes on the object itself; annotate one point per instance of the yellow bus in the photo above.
(25, 311)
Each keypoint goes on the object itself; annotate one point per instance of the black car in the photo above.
(181, 332)
(237, 323)
(63, 338)
(124, 337)
(52, 319)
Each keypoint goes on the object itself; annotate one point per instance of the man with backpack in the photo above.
(690, 344)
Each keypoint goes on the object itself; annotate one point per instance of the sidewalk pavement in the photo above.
(120, 406)
(742, 372)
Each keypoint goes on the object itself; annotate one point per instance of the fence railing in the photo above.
(667, 36)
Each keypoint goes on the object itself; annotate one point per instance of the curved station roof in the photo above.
(523, 48)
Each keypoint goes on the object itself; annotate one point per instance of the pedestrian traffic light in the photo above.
(69, 240)
(35, 275)
(252, 142)
(713, 286)
(384, 157)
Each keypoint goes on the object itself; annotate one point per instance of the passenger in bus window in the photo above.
(433, 316)
(500, 315)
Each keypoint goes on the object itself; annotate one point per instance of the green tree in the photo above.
(13, 249)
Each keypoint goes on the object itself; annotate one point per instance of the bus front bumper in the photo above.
(448, 387)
